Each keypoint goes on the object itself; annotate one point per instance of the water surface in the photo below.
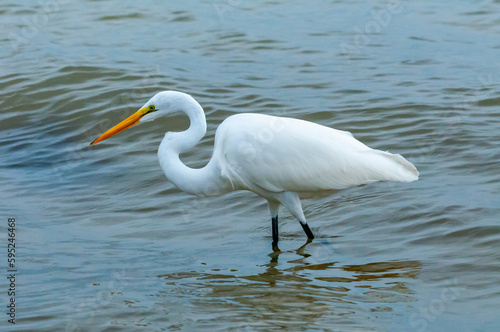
(105, 243)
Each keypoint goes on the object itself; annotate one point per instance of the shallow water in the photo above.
(105, 243)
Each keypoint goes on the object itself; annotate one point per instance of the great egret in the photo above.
(280, 159)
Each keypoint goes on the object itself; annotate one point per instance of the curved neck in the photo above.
(205, 181)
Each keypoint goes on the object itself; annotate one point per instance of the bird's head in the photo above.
(160, 104)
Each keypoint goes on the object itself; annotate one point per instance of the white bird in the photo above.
(280, 159)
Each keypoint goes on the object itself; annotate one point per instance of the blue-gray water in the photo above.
(104, 243)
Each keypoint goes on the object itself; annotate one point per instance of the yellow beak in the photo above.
(125, 124)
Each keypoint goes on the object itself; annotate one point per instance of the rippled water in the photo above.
(105, 243)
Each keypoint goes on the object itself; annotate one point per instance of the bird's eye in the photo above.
(151, 107)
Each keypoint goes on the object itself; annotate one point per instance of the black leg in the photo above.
(274, 222)
(307, 230)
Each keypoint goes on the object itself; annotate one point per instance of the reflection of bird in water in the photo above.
(280, 159)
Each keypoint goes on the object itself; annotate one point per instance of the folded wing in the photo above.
(282, 154)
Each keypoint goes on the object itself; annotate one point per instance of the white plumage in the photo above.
(300, 156)
(280, 159)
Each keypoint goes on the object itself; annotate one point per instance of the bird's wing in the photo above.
(283, 154)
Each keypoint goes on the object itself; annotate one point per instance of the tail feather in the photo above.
(394, 167)
(385, 166)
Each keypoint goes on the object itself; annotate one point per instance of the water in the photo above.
(106, 244)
